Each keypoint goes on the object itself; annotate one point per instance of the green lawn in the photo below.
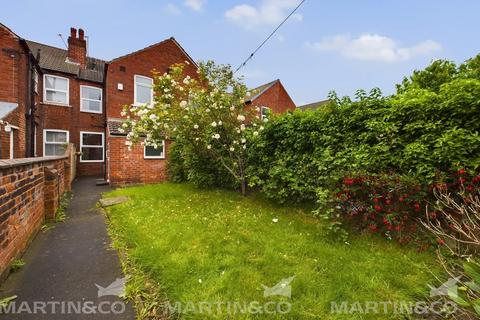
(217, 246)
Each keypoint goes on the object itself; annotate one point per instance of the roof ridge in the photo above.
(139, 50)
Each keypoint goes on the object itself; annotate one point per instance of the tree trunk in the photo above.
(244, 186)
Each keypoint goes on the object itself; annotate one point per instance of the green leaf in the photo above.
(476, 306)
(453, 295)
(473, 286)
(4, 302)
(472, 270)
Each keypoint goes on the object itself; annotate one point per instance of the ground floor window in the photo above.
(91, 146)
(54, 142)
(150, 152)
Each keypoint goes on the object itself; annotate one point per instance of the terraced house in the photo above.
(51, 96)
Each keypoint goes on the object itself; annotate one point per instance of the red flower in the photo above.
(461, 171)
(348, 181)
(440, 241)
(416, 206)
(378, 208)
(388, 202)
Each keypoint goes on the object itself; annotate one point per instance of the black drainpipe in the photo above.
(105, 162)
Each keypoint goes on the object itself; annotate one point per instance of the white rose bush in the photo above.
(206, 114)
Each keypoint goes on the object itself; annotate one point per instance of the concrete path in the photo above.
(64, 264)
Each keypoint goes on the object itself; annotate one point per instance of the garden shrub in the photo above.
(401, 144)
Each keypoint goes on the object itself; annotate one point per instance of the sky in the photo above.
(340, 45)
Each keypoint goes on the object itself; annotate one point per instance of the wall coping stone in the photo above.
(11, 163)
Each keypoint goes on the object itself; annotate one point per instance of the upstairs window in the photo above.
(150, 152)
(90, 99)
(265, 111)
(54, 142)
(143, 90)
(91, 146)
(55, 89)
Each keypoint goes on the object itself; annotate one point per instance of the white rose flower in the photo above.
(255, 133)
(195, 126)
(214, 124)
(153, 117)
(244, 140)
(209, 147)
(242, 127)
(220, 123)
(232, 149)
(232, 108)
(183, 104)
(244, 146)
(216, 136)
(240, 118)
(207, 110)
(128, 143)
(261, 128)
(196, 139)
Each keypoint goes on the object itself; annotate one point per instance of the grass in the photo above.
(183, 244)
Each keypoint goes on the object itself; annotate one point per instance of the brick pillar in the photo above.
(51, 192)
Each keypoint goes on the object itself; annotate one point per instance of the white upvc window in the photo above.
(264, 111)
(55, 89)
(90, 99)
(143, 90)
(54, 142)
(91, 146)
(150, 152)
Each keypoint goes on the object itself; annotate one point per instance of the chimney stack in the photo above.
(77, 47)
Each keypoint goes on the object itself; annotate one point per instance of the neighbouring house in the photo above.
(50, 97)
(314, 105)
(270, 97)
(19, 71)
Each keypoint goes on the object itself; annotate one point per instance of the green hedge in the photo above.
(430, 127)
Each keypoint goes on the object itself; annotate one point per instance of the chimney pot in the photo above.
(73, 33)
(81, 34)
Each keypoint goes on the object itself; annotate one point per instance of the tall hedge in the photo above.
(428, 128)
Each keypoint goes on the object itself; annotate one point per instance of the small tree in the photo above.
(207, 113)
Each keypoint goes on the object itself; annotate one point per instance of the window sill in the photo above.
(88, 111)
(56, 104)
(91, 161)
(154, 158)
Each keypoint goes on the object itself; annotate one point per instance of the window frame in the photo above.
(45, 139)
(262, 116)
(67, 92)
(154, 157)
(92, 146)
(135, 102)
(81, 100)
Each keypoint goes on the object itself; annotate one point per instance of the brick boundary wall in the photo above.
(30, 191)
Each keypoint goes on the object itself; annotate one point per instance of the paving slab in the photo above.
(71, 269)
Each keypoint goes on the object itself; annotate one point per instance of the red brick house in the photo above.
(18, 69)
(129, 82)
(53, 96)
(271, 97)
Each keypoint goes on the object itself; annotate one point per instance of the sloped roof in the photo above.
(314, 105)
(158, 44)
(258, 91)
(114, 125)
(55, 59)
(6, 108)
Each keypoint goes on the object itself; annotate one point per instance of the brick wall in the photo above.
(13, 89)
(30, 189)
(130, 167)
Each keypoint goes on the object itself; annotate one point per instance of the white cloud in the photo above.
(373, 47)
(172, 9)
(196, 5)
(268, 13)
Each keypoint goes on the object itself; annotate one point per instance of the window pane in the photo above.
(55, 83)
(91, 93)
(54, 150)
(92, 154)
(152, 152)
(143, 80)
(92, 139)
(52, 136)
(54, 96)
(91, 105)
(144, 94)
